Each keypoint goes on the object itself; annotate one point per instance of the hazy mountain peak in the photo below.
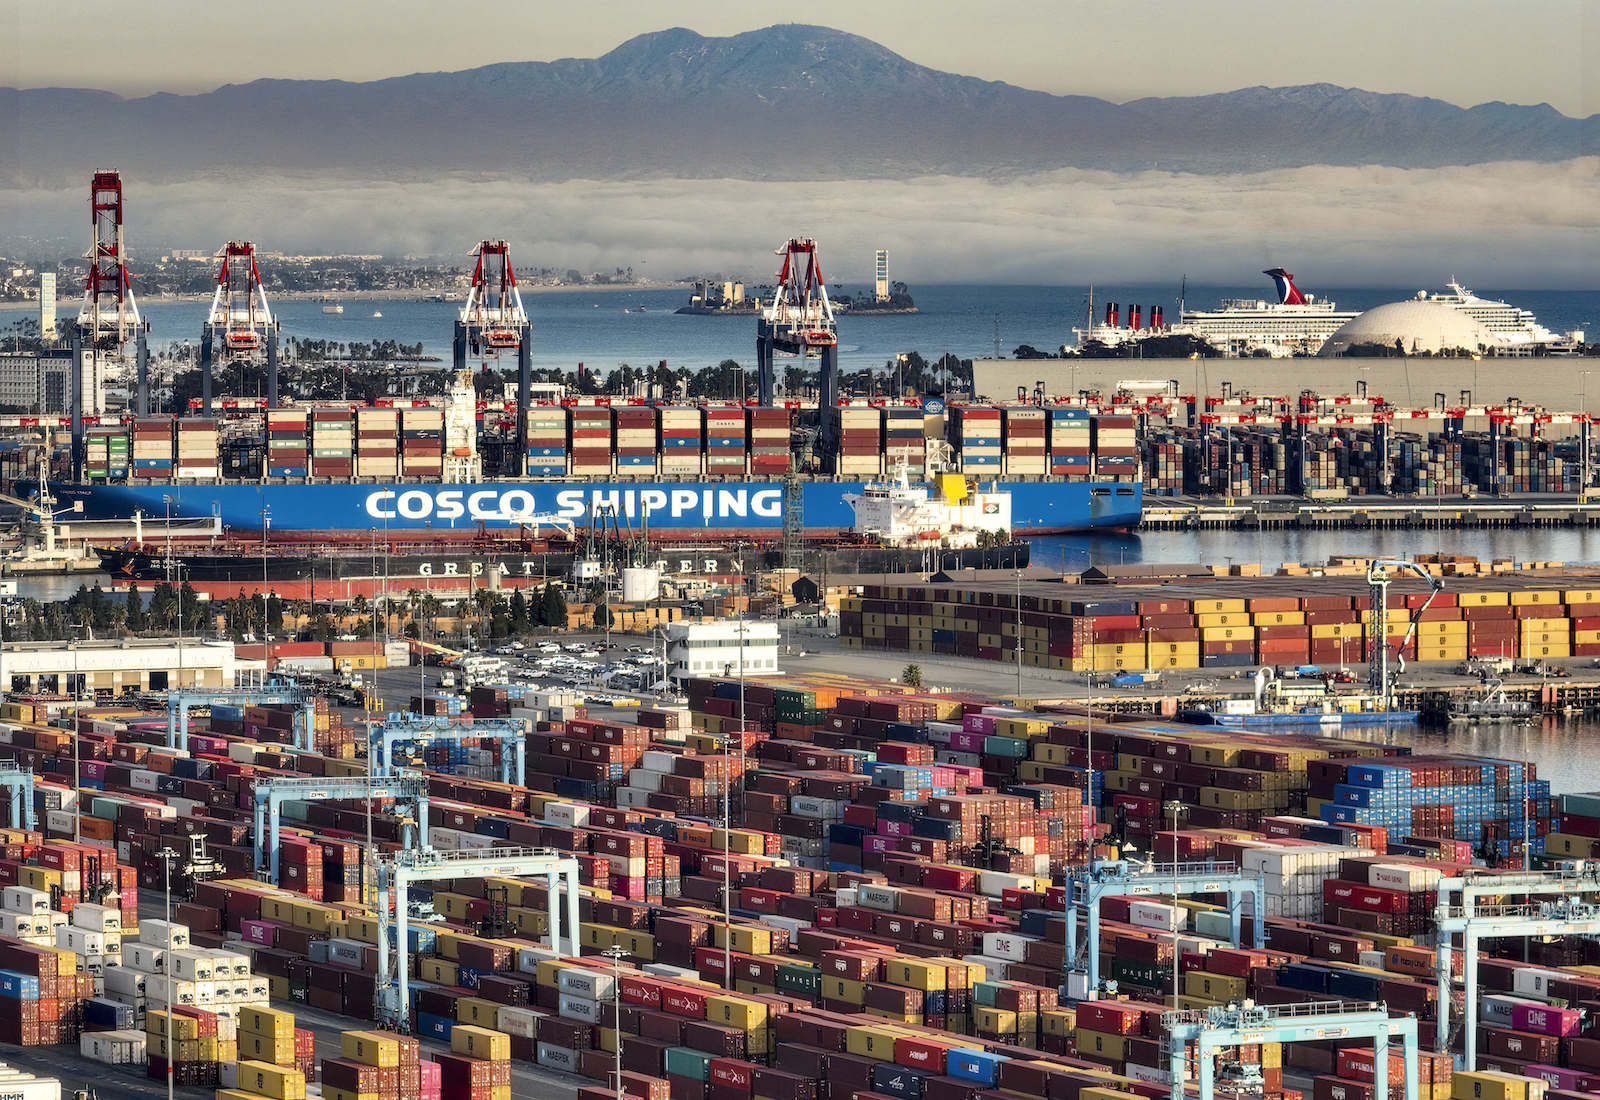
(790, 101)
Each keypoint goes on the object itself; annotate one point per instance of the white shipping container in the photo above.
(113, 1048)
(17, 1085)
(1154, 914)
(658, 761)
(22, 926)
(25, 899)
(143, 779)
(521, 1022)
(142, 956)
(572, 1007)
(825, 809)
(1408, 877)
(631, 798)
(96, 918)
(872, 896)
(1006, 945)
(1534, 981)
(596, 985)
(995, 883)
(560, 1058)
(645, 780)
(165, 934)
(81, 941)
(568, 814)
(196, 966)
(1495, 1008)
(124, 983)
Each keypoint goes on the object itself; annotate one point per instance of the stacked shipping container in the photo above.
(682, 441)
(635, 427)
(377, 439)
(726, 442)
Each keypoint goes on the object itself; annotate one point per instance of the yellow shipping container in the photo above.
(844, 989)
(1535, 597)
(1278, 618)
(870, 1041)
(1337, 630)
(1482, 599)
(1186, 660)
(264, 1048)
(746, 1015)
(1580, 595)
(1566, 844)
(274, 1023)
(1101, 1044)
(327, 1094)
(916, 974)
(1222, 618)
(1534, 626)
(1490, 1085)
(476, 1011)
(993, 1021)
(370, 1048)
(480, 1042)
(1227, 633)
(279, 1082)
(1216, 607)
(1216, 987)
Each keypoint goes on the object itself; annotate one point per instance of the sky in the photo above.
(1462, 51)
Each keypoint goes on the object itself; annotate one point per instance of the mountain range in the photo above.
(786, 102)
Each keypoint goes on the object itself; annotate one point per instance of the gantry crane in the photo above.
(424, 730)
(407, 788)
(1247, 1024)
(1573, 912)
(1115, 877)
(399, 871)
(19, 782)
(494, 323)
(799, 321)
(109, 317)
(1379, 573)
(240, 327)
(179, 703)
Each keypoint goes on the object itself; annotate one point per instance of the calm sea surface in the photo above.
(592, 327)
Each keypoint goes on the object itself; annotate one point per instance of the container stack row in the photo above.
(860, 435)
(288, 449)
(1226, 623)
(726, 441)
(893, 870)
(377, 443)
(421, 440)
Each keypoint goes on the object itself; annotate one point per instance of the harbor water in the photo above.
(603, 329)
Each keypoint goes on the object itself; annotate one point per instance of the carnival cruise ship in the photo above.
(1296, 324)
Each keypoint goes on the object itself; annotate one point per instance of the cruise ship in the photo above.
(1518, 329)
(1296, 324)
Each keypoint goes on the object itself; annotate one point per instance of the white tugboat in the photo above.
(951, 515)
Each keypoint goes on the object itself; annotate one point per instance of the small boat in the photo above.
(377, 313)
(1491, 704)
(1275, 704)
(334, 308)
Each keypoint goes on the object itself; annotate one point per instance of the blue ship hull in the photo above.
(671, 507)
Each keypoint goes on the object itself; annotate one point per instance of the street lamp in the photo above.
(77, 766)
(616, 954)
(167, 855)
(1175, 808)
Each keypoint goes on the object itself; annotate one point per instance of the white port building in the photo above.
(722, 648)
(128, 664)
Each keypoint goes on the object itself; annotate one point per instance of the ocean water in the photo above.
(603, 329)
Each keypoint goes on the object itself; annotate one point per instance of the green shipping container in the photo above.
(683, 1062)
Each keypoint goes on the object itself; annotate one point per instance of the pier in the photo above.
(1280, 514)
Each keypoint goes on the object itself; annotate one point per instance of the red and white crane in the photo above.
(798, 321)
(109, 316)
(240, 327)
(492, 320)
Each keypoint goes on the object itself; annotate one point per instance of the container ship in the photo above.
(333, 490)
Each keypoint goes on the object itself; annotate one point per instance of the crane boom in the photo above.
(1379, 572)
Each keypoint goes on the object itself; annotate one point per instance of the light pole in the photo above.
(727, 874)
(1018, 575)
(616, 954)
(177, 568)
(167, 855)
(77, 766)
(1175, 808)
(266, 522)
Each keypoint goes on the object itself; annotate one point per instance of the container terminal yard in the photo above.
(813, 883)
(1010, 835)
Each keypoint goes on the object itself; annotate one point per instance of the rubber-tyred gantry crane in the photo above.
(240, 327)
(109, 317)
(493, 323)
(799, 321)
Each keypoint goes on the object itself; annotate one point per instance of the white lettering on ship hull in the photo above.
(518, 505)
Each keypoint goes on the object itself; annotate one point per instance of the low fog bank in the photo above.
(1509, 224)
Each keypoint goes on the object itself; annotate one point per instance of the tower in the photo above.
(880, 276)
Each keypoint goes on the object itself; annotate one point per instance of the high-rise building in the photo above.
(47, 305)
(881, 275)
